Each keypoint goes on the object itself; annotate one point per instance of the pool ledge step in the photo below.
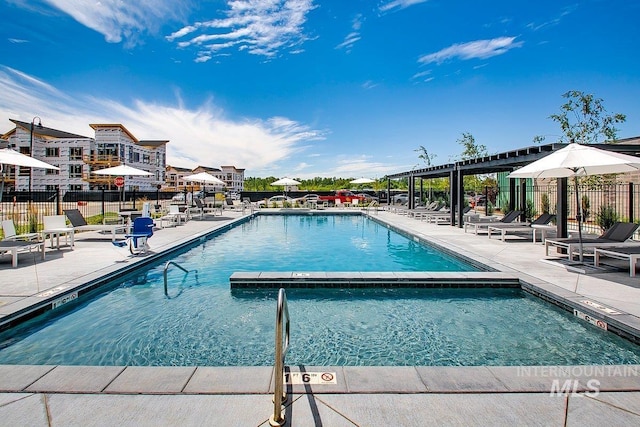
(385, 279)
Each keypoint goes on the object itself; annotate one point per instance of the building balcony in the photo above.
(92, 178)
(105, 160)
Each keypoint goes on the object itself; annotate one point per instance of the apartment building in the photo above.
(79, 156)
(230, 175)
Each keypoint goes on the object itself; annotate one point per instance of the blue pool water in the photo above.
(205, 323)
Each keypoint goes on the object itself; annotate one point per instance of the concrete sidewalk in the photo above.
(362, 396)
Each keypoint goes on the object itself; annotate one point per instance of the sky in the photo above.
(317, 88)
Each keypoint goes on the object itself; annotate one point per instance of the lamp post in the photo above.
(31, 151)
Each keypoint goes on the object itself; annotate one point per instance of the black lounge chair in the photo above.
(520, 227)
(79, 223)
(617, 235)
(482, 225)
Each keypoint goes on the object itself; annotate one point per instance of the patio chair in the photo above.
(56, 226)
(618, 235)
(10, 234)
(520, 227)
(175, 216)
(79, 223)
(483, 224)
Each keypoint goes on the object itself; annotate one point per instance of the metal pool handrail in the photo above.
(279, 394)
(166, 267)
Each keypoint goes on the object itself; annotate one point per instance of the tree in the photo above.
(583, 119)
(471, 149)
(424, 155)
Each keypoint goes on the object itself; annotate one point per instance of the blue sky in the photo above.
(306, 88)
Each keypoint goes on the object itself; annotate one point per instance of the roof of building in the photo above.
(228, 166)
(153, 143)
(96, 126)
(178, 169)
(43, 131)
(207, 168)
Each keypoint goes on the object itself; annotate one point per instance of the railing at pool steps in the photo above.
(279, 394)
(166, 267)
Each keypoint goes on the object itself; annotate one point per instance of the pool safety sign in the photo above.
(310, 378)
(597, 322)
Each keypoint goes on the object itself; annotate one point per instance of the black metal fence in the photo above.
(601, 204)
(27, 209)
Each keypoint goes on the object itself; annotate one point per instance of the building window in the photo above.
(75, 153)
(52, 152)
(146, 159)
(50, 187)
(52, 172)
(75, 171)
(75, 187)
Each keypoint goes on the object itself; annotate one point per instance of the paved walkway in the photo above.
(361, 396)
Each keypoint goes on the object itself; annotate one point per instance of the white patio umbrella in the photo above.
(12, 157)
(122, 170)
(285, 182)
(362, 181)
(577, 160)
(204, 178)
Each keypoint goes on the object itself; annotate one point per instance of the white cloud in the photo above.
(197, 136)
(121, 20)
(261, 27)
(353, 36)
(399, 4)
(477, 49)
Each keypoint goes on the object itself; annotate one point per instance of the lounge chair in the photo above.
(483, 224)
(520, 227)
(79, 223)
(203, 210)
(14, 247)
(9, 230)
(617, 235)
(628, 253)
(443, 217)
(56, 226)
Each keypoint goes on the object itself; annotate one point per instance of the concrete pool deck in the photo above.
(361, 396)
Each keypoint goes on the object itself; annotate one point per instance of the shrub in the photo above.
(530, 210)
(606, 217)
(544, 202)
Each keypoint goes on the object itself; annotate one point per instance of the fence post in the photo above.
(631, 213)
(102, 196)
(58, 202)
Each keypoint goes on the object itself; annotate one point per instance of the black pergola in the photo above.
(506, 161)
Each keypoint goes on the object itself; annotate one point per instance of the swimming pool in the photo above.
(205, 323)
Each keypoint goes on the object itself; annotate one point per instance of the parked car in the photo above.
(277, 201)
(306, 198)
(400, 199)
(179, 197)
